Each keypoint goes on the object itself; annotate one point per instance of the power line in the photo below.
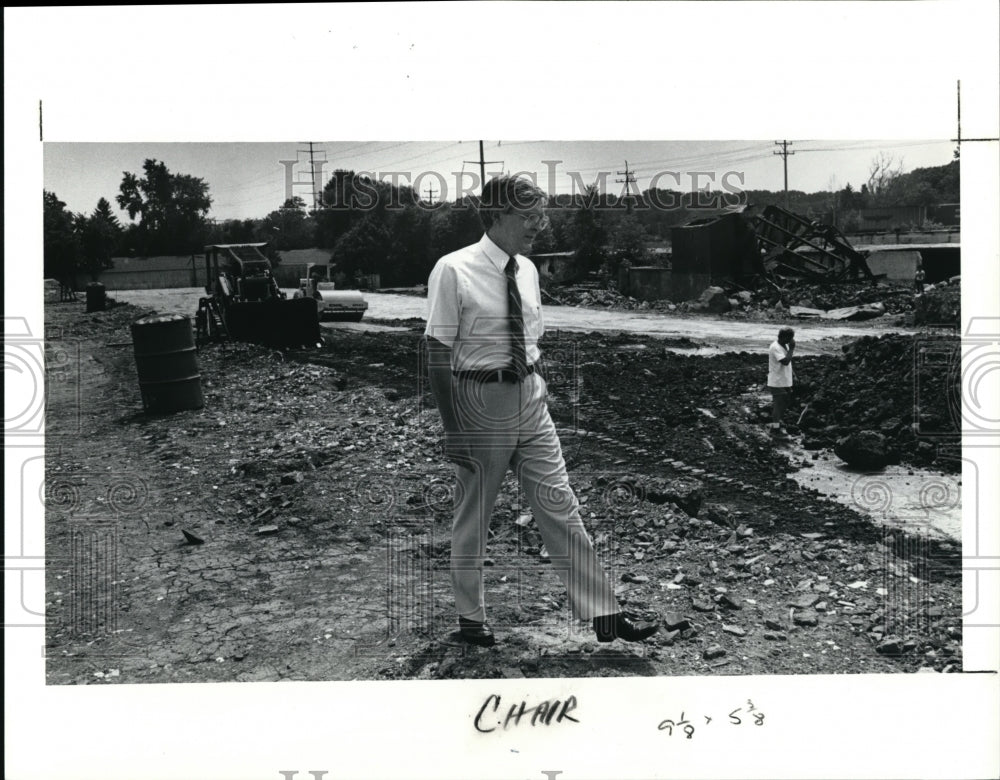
(675, 162)
(422, 154)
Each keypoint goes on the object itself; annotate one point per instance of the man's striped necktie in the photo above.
(518, 350)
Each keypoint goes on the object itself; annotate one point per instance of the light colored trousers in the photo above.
(508, 425)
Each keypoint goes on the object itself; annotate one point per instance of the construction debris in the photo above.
(795, 246)
(866, 311)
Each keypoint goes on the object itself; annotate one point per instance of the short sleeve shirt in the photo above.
(467, 307)
(778, 375)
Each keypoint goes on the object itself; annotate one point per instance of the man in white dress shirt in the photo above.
(483, 325)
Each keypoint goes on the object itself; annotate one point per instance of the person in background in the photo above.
(779, 376)
(918, 278)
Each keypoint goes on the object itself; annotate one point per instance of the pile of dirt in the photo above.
(908, 388)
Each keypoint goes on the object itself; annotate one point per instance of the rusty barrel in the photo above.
(165, 358)
(96, 297)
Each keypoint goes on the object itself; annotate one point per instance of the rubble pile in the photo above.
(777, 303)
(897, 298)
(591, 295)
(116, 318)
(905, 389)
(939, 305)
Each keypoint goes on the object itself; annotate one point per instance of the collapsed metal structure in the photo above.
(786, 240)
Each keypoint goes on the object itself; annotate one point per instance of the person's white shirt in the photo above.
(467, 307)
(778, 375)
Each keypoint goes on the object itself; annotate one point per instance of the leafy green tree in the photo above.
(346, 197)
(171, 209)
(100, 234)
(627, 242)
(589, 234)
(453, 226)
(544, 241)
(62, 250)
(362, 249)
(409, 259)
(290, 227)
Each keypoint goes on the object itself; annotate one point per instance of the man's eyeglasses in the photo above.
(535, 220)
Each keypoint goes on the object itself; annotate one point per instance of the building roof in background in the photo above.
(545, 255)
(706, 216)
(304, 256)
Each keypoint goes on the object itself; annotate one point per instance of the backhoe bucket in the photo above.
(275, 323)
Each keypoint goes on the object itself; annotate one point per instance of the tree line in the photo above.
(374, 227)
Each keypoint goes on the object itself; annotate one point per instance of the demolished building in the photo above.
(734, 249)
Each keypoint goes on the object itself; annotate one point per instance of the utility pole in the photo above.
(958, 138)
(629, 179)
(431, 193)
(482, 164)
(317, 193)
(784, 153)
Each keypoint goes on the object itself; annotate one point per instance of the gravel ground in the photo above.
(297, 527)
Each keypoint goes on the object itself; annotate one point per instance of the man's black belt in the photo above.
(491, 375)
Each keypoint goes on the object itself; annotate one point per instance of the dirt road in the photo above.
(711, 334)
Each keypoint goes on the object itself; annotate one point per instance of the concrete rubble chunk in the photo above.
(804, 601)
(675, 621)
(863, 450)
(684, 492)
(715, 300)
(712, 652)
(719, 514)
(805, 617)
(890, 645)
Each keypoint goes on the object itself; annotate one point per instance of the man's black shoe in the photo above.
(476, 633)
(619, 626)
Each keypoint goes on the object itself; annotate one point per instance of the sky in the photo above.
(248, 180)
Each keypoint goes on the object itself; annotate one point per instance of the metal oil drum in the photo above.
(96, 297)
(165, 358)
